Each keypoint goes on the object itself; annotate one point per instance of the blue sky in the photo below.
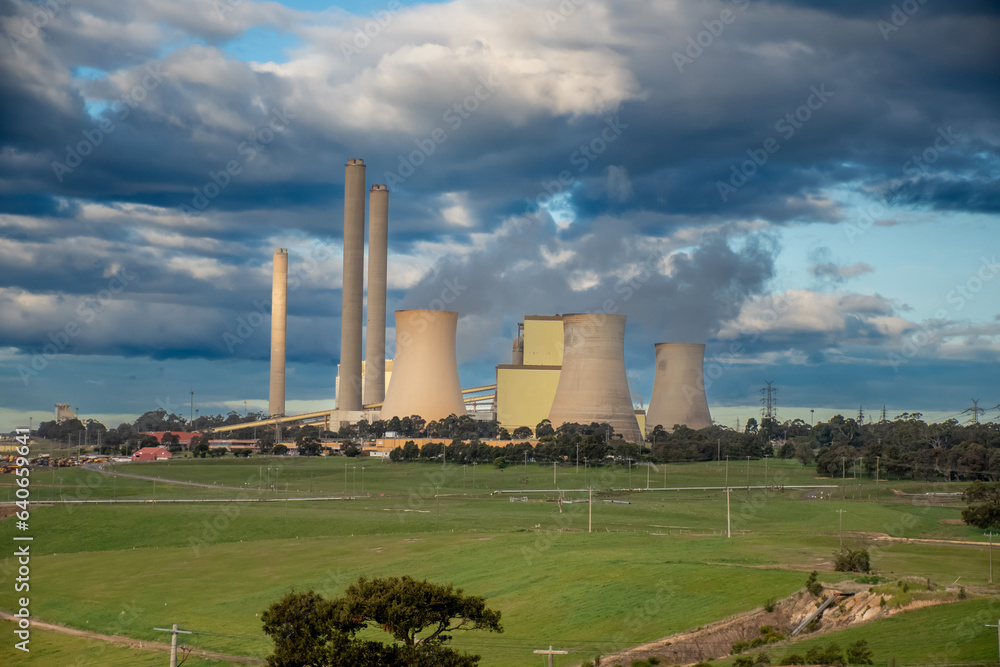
(813, 183)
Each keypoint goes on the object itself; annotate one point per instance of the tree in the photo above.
(309, 630)
(521, 432)
(307, 441)
(544, 428)
(279, 450)
(987, 513)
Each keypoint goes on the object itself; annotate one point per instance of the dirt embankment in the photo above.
(855, 604)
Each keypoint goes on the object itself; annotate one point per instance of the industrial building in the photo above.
(564, 368)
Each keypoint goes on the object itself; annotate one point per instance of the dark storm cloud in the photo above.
(538, 132)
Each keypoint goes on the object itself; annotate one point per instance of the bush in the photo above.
(813, 586)
(743, 661)
(763, 659)
(793, 659)
(850, 560)
(653, 660)
(830, 655)
(858, 653)
(770, 604)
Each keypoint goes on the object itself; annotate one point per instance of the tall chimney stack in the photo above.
(279, 328)
(349, 395)
(378, 250)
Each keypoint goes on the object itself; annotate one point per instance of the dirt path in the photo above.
(99, 468)
(135, 643)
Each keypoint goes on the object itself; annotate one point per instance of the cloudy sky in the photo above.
(809, 187)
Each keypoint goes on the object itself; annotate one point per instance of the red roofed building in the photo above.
(152, 454)
(183, 438)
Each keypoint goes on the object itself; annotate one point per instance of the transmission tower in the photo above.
(883, 415)
(861, 415)
(975, 411)
(769, 399)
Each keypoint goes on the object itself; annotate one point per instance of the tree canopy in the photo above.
(310, 631)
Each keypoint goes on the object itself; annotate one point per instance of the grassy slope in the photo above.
(52, 649)
(945, 634)
(589, 593)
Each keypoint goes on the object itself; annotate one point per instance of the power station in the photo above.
(564, 368)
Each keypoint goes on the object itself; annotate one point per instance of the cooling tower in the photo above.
(678, 388)
(349, 395)
(425, 369)
(378, 240)
(592, 385)
(279, 328)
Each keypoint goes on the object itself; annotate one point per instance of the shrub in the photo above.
(813, 625)
(813, 586)
(830, 655)
(763, 659)
(653, 660)
(849, 560)
(770, 604)
(858, 653)
(793, 659)
(743, 661)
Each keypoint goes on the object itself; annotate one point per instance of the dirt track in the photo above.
(135, 643)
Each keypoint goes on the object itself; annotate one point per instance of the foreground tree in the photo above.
(310, 631)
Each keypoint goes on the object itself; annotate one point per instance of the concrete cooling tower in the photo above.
(349, 395)
(678, 388)
(425, 370)
(378, 242)
(279, 312)
(592, 384)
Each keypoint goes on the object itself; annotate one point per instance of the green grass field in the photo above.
(654, 566)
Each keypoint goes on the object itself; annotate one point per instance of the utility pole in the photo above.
(192, 408)
(173, 642)
(590, 509)
(877, 459)
(577, 458)
(729, 524)
(748, 474)
(841, 512)
(997, 626)
(553, 473)
(991, 557)
(550, 653)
